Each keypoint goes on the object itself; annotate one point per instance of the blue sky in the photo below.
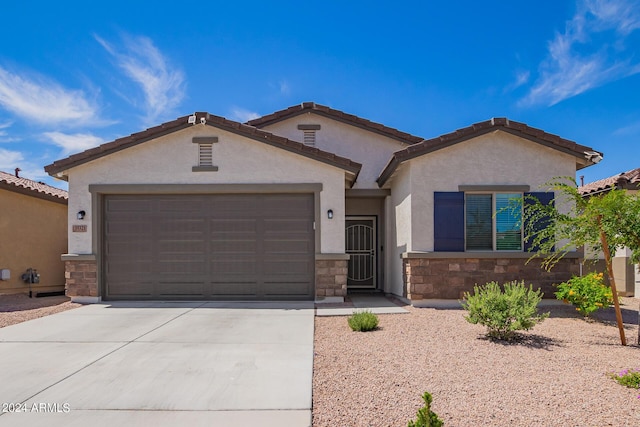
(74, 75)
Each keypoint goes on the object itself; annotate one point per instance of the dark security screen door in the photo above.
(361, 245)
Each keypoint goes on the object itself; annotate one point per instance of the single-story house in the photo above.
(626, 274)
(306, 203)
(33, 230)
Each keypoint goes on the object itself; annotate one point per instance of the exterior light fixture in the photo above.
(330, 214)
(81, 214)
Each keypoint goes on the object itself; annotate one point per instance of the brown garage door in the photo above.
(226, 246)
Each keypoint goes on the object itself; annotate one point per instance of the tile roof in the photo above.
(625, 180)
(33, 188)
(219, 122)
(336, 115)
(521, 130)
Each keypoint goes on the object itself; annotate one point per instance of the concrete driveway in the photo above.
(160, 364)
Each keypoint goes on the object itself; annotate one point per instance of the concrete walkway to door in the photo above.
(160, 364)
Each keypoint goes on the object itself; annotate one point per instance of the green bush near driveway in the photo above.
(363, 321)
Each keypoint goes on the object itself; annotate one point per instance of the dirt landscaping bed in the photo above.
(556, 375)
(20, 308)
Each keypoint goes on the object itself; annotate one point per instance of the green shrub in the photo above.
(363, 321)
(503, 313)
(425, 417)
(628, 378)
(587, 293)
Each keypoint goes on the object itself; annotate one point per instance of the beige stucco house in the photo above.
(33, 230)
(306, 203)
(626, 274)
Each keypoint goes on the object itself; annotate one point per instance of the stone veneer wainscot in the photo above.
(81, 274)
(331, 275)
(450, 275)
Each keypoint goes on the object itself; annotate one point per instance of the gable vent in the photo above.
(206, 154)
(309, 133)
(309, 137)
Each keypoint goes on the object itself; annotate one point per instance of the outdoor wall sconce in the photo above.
(81, 214)
(330, 214)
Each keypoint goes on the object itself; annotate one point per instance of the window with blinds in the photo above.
(479, 222)
(493, 222)
(508, 222)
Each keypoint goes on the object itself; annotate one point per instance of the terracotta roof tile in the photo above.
(500, 123)
(211, 120)
(35, 188)
(626, 180)
(337, 115)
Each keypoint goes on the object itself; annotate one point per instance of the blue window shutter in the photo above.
(545, 199)
(448, 221)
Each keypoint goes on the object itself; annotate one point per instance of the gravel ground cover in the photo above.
(556, 375)
(20, 308)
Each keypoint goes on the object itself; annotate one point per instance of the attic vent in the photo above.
(205, 154)
(309, 134)
(309, 137)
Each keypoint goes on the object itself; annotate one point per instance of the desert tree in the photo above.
(602, 223)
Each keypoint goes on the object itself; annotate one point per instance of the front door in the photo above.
(361, 245)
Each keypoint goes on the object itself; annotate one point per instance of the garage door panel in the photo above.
(287, 247)
(178, 288)
(184, 246)
(284, 289)
(242, 289)
(183, 267)
(287, 267)
(288, 225)
(125, 266)
(129, 204)
(221, 226)
(128, 228)
(233, 247)
(233, 267)
(232, 206)
(245, 246)
(115, 247)
(179, 204)
(130, 288)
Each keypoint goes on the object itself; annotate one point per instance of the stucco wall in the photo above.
(370, 149)
(33, 235)
(400, 215)
(169, 159)
(497, 158)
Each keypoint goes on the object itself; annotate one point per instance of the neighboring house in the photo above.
(626, 275)
(308, 202)
(33, 234)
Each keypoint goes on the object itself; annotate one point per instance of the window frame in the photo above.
(494, 212)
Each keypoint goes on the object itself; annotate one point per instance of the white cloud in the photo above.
(162, 84)
(285, 89)
(632, 129)
(73, 143)
(521, 78)
(44, 101)
(242, 115)
(10, 160)
(576, 62)
(4, 135)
